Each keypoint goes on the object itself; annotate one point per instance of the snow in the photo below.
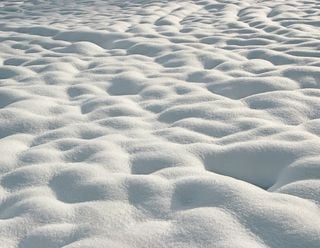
(142, 123)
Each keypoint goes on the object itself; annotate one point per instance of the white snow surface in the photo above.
(160, 123)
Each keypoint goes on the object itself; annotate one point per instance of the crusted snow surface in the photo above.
(160, 123)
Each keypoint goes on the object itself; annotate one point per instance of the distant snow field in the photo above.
(148, 124)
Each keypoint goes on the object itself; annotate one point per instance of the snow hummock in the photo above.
(142, 123)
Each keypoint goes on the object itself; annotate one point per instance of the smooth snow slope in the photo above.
(160, 123)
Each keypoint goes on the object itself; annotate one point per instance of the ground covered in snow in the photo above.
(140, 123)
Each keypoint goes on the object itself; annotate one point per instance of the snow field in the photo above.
(159, 124)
